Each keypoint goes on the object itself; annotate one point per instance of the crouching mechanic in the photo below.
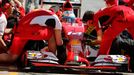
(37, 25)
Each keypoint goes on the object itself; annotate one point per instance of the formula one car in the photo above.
(36, 60)
(76, 60)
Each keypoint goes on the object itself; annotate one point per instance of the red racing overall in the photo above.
(121, 17)
(27, 31)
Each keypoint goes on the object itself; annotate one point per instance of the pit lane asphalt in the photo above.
(12, 70)
(32, 73)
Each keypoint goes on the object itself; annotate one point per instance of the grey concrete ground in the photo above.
(31, 73)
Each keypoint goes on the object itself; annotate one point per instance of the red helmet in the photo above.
(67, 6)
(112, 2)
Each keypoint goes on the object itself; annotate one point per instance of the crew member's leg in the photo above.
(109, 35)
(52, 44)
(61, 50)
(14, 52)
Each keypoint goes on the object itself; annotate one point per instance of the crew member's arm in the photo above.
(98, 29)
(2, 44)
(98, 26)
(99, 38)
(3, 23)
(61, 50)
